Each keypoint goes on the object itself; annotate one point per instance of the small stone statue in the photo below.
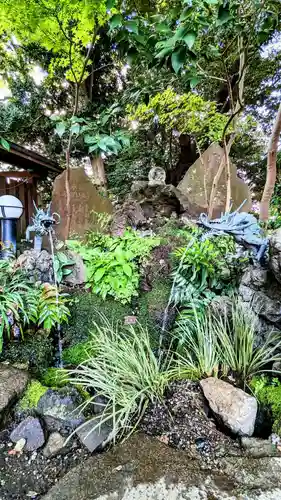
(156, 176)
(42, 223)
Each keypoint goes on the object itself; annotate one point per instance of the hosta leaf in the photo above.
(60, 129)
(190, 39)
(56, 265)
(132, 26)
(67, 272)
(75, 129)
(223, 15)
(115, 21)
(90, 139)
(110, 4)
(93, 148)
(194, 81)
(162, 28)
(127, 270)
(180, 32)
(178, 59)
(99, 274)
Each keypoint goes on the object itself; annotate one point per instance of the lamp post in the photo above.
(11, 210)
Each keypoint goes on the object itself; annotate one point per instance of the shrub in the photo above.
(47, 307)
(77, 353)
(126, 372)
(268, 392)
(32, 395)
(61, 265)
(211, 263)
(23, 303)
(112, 262)
(55, 377)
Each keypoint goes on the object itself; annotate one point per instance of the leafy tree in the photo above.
(70, 31)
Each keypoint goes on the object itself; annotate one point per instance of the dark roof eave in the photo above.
(25, 158)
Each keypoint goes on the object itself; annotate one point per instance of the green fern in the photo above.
(52, 309)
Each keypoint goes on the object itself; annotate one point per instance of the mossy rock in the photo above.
(152, 307)
(32, 395)
(36, 350)
(87, 309)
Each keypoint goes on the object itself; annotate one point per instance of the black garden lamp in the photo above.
(11, 210)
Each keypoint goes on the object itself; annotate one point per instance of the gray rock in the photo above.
(55, 445)
(142, 468)
(92, 439)
(60, 409)
(29, 429)
(260, 291)
(78, 274)
(258, 448)
(275, 254)
(236, 409)
(99, 404)
(39, 266)
(12, 384)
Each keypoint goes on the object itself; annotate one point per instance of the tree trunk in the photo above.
(271, 169)
(99, 173)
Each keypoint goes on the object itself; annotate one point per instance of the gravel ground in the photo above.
(183, 421)
(30, 475)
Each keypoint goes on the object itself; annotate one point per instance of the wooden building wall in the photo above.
(24, 186)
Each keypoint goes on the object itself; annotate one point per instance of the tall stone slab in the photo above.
(196, 186)
(85, 200)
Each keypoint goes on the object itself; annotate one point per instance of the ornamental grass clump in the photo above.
(126, 372)
(211, 345)
(238, 345)
(196, 338)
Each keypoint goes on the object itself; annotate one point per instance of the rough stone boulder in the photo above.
(275, 254)
(197, 183)
(12, 384)
(38, 265)
(232, 406)
(29, 429)
(86, 201)
(55, 445)
(262, 293)
(142, 468)
(129, 214)
(60, 409)
(157, 199)
(92, 436)
(78, 270)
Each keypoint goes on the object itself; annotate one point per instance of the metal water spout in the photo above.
(42, 223)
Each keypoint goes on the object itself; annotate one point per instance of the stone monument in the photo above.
(196, 186)
(85, 200)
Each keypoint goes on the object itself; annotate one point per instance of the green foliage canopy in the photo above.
(186, 113)
(65, 28)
